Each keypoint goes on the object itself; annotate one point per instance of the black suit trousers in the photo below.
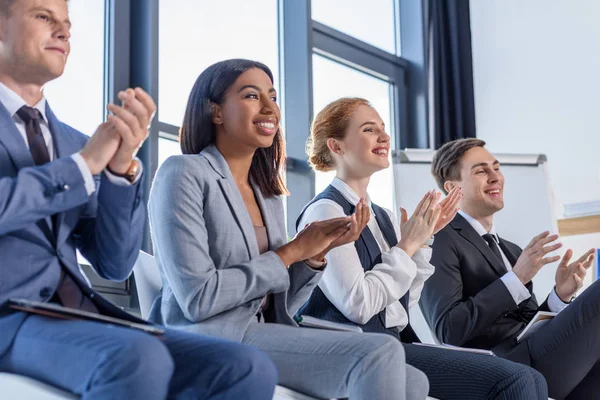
(567, 349)
(455, 375)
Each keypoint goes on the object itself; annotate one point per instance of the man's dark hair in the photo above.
(446, 163)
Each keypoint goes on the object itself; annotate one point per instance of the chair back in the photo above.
(147, 280)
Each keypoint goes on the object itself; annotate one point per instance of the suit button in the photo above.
(45, 292)
(66, 187)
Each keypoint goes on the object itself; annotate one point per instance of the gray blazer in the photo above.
(214, 278)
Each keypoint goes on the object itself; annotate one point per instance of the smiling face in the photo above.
(249, 115)
(365, 146)
(34, 40)
(482, 183)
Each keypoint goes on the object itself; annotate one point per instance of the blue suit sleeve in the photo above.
(110, 231)
(39, 192)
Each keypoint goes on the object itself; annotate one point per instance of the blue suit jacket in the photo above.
(106, 227)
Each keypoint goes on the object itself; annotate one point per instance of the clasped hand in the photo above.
(116, 141)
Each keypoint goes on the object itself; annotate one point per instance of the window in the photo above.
(373, 21)
(167, 148)
(195, 34)
(77, 97)
(330, 82)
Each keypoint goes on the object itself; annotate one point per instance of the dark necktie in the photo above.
(491, 240)
(37, 146)
(67, 292)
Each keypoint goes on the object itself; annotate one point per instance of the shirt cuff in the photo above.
(517, 290)
(88, 178)
(118, 180)
(314, 264)
(424, 253)
(555, 304)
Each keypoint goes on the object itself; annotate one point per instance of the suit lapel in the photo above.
(11, 138)
(386, 226)
(267, 207)
(64, 146)
(466, 231)
(233, 197)
(240, 213)
(510, 255)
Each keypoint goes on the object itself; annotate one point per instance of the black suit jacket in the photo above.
(465, 302)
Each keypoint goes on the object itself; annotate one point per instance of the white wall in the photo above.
(537, 90)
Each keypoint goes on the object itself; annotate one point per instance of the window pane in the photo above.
(77, 97)
(370, 21)
(166, 149)
(195, 34)
(330, 82)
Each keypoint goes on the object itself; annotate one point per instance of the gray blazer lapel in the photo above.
(467, 231)
(233, 197)
(13, 141)
(269, 208)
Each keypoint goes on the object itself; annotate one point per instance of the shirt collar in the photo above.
(13, 102)
(477, 225)
(347, 191)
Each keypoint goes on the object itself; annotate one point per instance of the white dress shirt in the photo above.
(360, 295)
(517, 290)
(13, 102)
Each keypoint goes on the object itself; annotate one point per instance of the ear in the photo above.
(216, 114)
(449, 185)
(334, 146)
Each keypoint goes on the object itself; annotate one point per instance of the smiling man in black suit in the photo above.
(481, 294)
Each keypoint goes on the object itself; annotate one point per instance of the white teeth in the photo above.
(268, 125)
(380, 151)
(493, 191)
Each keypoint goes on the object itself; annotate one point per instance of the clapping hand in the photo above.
(449, 207)
(132, 121)
(420, 226)
(313, 239)
(534, 257)
(359, 221)
(569, 277)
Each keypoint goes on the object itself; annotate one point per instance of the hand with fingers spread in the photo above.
(449, 207)
(533, 257)
(420, 226)
(313, 240)
(359, 220)
(569, 277)
(132, 122)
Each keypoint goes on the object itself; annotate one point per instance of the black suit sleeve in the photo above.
(455, 319)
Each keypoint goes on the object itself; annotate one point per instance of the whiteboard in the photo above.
(528, 204)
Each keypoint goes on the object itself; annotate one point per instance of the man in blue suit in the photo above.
(60, 192)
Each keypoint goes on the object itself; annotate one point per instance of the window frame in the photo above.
(134, 22)
(131, 59)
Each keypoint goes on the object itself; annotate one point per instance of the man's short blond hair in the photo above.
(6, 5)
